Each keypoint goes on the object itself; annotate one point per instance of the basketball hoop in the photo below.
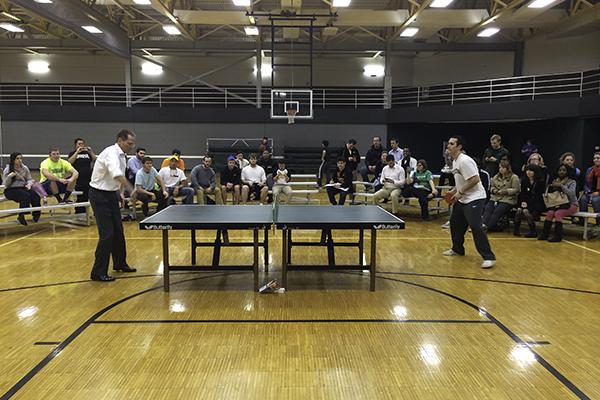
(291, 114)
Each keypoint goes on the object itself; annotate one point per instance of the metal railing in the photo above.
(529, 88)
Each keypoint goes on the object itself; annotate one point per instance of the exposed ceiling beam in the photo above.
(492, 18)
(218, 46)
(167, 12)
(73, 14)
(413, 16)
(197, 79)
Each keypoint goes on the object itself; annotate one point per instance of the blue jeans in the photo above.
(186, 192)
(585, 200)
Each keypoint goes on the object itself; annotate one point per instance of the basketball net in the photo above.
(291, 113)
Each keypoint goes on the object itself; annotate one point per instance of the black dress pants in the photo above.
(111, 239)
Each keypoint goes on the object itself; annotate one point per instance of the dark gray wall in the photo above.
(161, 138)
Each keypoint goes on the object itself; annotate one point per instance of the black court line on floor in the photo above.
(291, 321)
(538, 343)
(46, 343)
(584, 291)
(118, 277)
(536, 285)
(56, 351)
(553, 371)
(563, 379)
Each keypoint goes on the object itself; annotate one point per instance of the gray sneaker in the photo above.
(446, 225)
(488, 264)
(450, 253)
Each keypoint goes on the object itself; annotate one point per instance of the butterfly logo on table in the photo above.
(158, 227)
(387, 226)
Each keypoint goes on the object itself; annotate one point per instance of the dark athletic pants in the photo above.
(111, 239)
(465, 216)
(24, 197)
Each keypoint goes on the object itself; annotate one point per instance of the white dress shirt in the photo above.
(111, 163)
(396, 174)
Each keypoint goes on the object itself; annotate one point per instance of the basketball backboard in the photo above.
(300, 100)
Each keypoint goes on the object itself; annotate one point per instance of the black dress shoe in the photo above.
(126, 268)
(102, 278)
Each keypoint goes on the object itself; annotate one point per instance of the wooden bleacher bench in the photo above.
(585, 216)
(69, 217)
(368, 195)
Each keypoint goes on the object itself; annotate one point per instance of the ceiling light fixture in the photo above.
(440, 3)
(11, 27)
(487, 32)
(171, 30)
(409, 32)
(38, 67)
(43, 1)
(149, 68)
(341, 3)
(142, 2)
(374, 70)
(241, 3)
(91, 29)
(540, 3)
(251, 30)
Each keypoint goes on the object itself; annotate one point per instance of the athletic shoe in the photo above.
(446, 225)
(488, 264)
(451, 253)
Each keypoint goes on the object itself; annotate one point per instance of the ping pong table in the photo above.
(286, 218)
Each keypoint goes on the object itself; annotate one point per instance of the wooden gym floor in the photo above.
(436, 328)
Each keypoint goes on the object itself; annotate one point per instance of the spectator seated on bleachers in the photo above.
(341, 182)
(530, 203)
(372, 158)
(563, 183)
(392, 178)
(281, 189)
(505, 188)
(254, 182)
(231, 180)
(21, 188)
(420, 184)
(180, 163)
(146, 189)
(591, 188)
(176, 182)
(204, 182)
(58, 176)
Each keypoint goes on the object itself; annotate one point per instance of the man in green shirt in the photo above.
(58, 176)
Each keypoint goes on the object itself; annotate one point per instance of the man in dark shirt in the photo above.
(231, 180)
(372, 157)
(341, 182)
(350, 154)
(82, 159)
(494, 154)
(269, 165)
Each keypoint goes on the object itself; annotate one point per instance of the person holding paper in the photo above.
(341, 182)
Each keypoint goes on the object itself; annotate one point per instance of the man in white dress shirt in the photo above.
(392, 178)
(106, 186)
